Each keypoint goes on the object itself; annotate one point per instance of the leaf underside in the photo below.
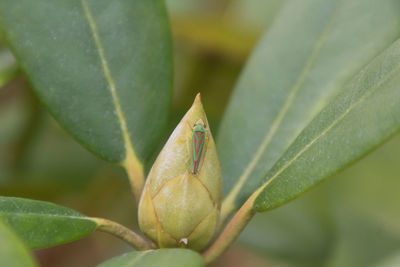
(365, 113)
(303, 61)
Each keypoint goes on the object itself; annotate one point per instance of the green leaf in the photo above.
(365, 114)
(157, 258)
(103, 68)
(310, 51)
(13, 252)
(41, 224)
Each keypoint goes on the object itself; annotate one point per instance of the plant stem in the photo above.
(231, 231)
(120, 231)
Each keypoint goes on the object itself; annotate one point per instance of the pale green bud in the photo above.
(180, 207)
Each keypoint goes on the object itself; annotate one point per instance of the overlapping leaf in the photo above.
(362, 116)
(304, 59)
(13, 252)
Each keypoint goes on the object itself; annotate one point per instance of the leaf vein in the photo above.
(46, 215)
(327, 129)
(111, 85)
(228, 202)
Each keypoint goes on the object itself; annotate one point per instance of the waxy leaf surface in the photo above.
(103, 68)
(42, 224)
(361, 117)
(299, 65)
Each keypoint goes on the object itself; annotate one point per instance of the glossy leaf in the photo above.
(42, 224)
(103, 68)
(365, 113)
(13, 252)
(157, 258)
(310, 51)
(351, 220)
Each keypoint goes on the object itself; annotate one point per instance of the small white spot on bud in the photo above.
(184, 241)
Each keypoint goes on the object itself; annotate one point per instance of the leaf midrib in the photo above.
(137, 258)
(129, 150)
(228, 204)
(46, 215)
(327, 129)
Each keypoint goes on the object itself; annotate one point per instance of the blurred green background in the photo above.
(353, 219)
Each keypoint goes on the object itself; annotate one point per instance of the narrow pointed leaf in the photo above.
(13, 252)
(361, 117)
(103, 68)
(42, 224)
(157, 258)
(310, 51)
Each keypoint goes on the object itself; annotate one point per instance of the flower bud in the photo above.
(180, 202)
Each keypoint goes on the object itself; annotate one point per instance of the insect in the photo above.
(197, 145)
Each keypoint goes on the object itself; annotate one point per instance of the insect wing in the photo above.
(197, 145)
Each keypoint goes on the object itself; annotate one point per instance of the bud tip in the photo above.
(198, 98)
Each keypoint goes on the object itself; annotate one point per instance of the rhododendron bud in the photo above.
(180, 202)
